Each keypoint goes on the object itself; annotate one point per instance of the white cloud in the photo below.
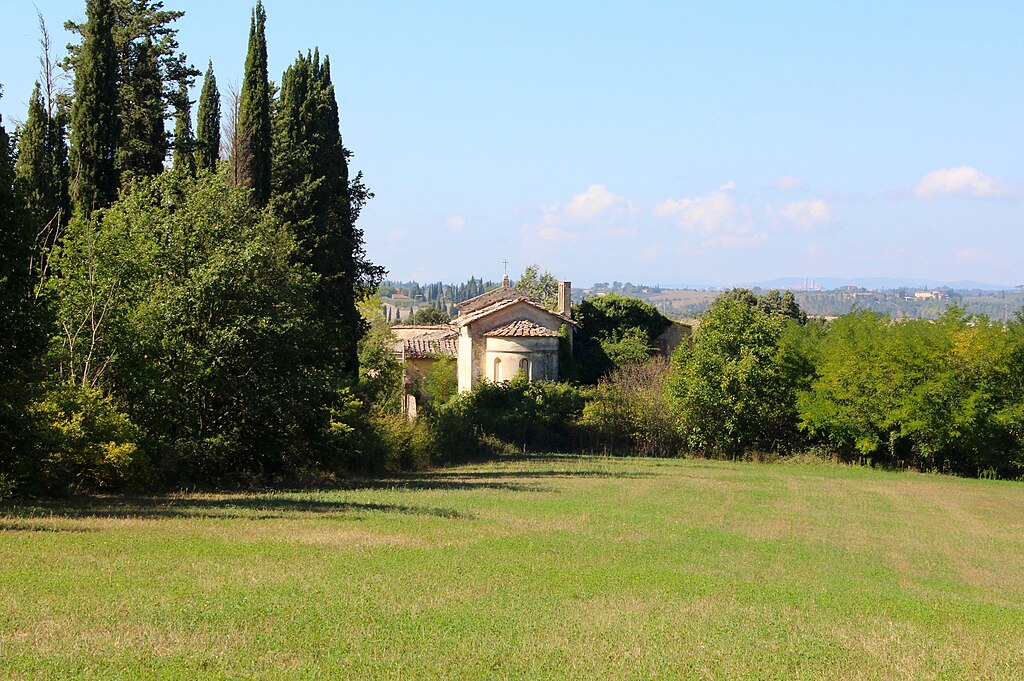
(972, 255)
(808, 214)
(789, 183)
(964, 181)
(595, 212)
(594, 203)
(455, 223)
(718, 217)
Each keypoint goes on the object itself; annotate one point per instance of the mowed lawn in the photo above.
(545, 567)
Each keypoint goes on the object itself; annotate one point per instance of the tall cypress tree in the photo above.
(143, 144)
(315, 196)
(22, 338)
(149, 68)
(95, 119)
(208, 123)
(184, 161)
(42, 166)
(41, 175)
(252, 149)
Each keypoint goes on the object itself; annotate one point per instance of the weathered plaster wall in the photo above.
(471, 372)
(540, 353)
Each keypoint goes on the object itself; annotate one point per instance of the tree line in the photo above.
(179, 308)
(759, 379)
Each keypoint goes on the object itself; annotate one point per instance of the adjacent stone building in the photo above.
(495, 336)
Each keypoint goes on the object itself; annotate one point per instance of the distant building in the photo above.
(931, 295)
(496, 335)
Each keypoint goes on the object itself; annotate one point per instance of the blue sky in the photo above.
(667, 142)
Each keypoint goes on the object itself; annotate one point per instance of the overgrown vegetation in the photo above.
(759, 380)
(201, 315)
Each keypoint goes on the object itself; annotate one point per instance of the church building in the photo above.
(495, 336)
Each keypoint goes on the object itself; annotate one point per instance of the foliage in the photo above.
(184, 143)
(735, 387)
(86, 444)
(398, 444)
(613, 331)
(441, 383)
(542, 286)
(22, 333)
(427, 316)
(142, 145)
(629, 412)
(207, 144)
(95, 114)
(773, 302)
(186, 304)
(539, 416)
(42, 168)
(933, 395)
(251, 162)
(380, 372)
(129, 50)
(314, 198)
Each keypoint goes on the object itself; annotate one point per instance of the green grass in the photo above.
(550, 567)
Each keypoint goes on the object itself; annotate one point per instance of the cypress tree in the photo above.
(32, 168)
(22, 337)
(315, 196)
(184, 161)
(252, 163)
(95, 119)
(42, 166)
(143, 144)
(208, 123)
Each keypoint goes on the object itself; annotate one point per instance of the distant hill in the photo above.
(878, 283)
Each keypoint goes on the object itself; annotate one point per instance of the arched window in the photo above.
(497, 369)
(524, 366)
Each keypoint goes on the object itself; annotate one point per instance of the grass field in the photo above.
(550, 567)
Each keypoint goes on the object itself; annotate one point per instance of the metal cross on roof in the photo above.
(505, 262)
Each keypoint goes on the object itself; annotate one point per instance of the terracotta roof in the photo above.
(490, 297)
(425, 342)
(405, 331)
(468, 317)
(522, 328)
(429, 348)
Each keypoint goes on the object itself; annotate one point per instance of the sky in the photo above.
(671, 143)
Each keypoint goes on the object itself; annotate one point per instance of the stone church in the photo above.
(495, 336)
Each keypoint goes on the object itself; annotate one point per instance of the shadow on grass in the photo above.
(33, 515)
(256, 507)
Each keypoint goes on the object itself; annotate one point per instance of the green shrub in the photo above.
(537, 416)
(629, 412)
(85, 444)
(401, 445)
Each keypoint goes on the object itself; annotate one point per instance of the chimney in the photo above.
(565, 298)
(505, 282)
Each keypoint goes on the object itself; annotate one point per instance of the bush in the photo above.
(942, 395)
(537, 416)
(86, 444)
(629, 412)
(400, 444)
